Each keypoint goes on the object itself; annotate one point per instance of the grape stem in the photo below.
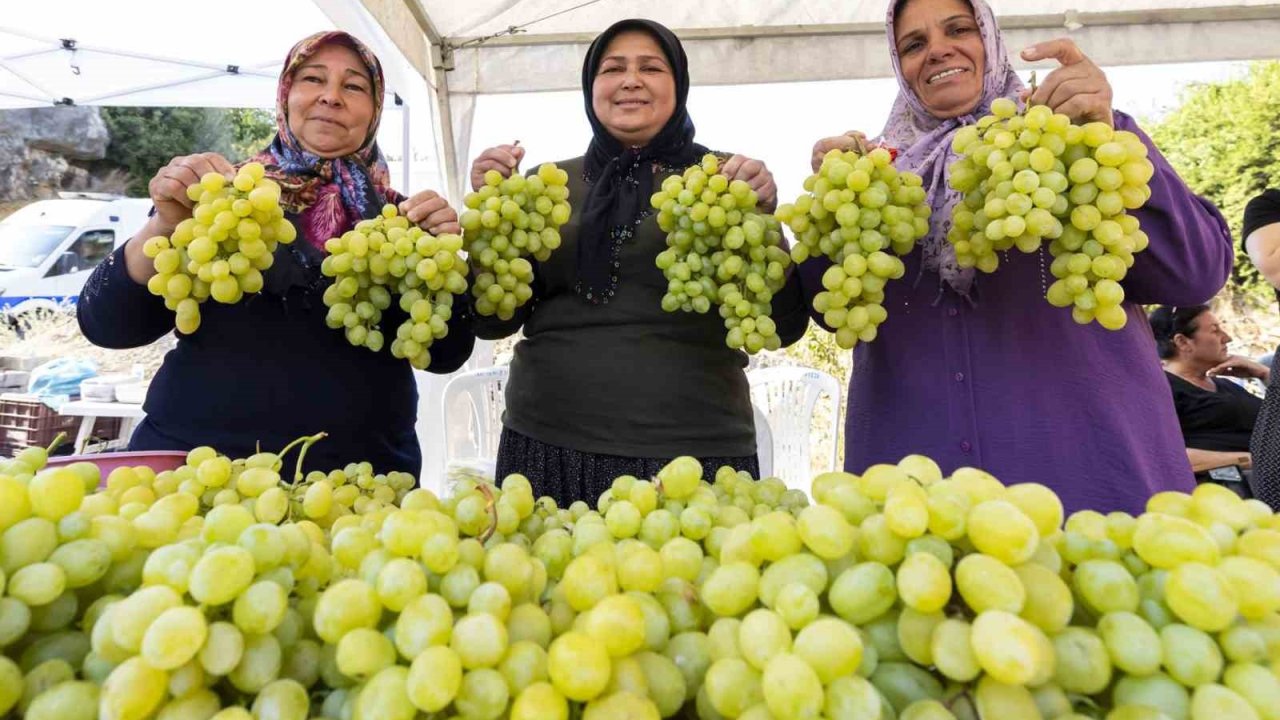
(302, 453)
(57, 440)
(965, 696)
(491, 507)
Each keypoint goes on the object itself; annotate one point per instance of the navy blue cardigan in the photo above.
(267, 369)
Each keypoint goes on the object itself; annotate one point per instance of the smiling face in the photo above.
(634, 92)
(330, 103)
(941, 54)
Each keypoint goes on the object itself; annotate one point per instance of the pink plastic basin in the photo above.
(157, 460)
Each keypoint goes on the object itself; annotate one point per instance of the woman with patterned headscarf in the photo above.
(267, 369)
(983, 371)
(605, 382)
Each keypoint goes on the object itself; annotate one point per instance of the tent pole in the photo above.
(406, 150)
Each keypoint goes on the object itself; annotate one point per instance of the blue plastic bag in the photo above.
(57, 381)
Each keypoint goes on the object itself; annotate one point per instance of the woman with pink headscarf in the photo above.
(267, 369)
(981, 370)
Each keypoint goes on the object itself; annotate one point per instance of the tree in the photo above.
(251, 130)
(1223, 141)
(145, 139)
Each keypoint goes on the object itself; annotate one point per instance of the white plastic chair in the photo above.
(481, 393)
(789, 398)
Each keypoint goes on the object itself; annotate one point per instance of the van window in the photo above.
(27, 246)
(89, 249)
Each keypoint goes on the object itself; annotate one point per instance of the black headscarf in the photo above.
(622, 182)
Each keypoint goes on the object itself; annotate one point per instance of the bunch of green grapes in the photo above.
(221, 251)
(860, 213)
(722, 252)
(507, 221)
(1034, 176)
(388, 256)
(225, 590)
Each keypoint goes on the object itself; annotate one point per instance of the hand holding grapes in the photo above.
(431, 212)
(1079, 89)
(168, 191)
(503, 158)
(755, 174)
(852, 140)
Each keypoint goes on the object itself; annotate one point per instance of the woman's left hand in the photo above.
(755, 174)
(431, 212)
(1242, 367)
(1079, 89)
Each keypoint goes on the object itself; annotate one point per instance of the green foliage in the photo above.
(1223, 141)
(251, 130)
(145, 139)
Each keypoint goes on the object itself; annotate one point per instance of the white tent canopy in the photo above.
(484, 47)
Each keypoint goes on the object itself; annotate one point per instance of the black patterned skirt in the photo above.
(568, 475)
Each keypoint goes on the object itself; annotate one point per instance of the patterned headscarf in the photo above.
(924, 141)
(328, 196)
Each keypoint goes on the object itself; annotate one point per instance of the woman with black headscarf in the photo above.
(605, 383)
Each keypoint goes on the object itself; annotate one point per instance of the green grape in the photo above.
(1217, 701)
(221, 251)
(379, 260)
(1073, 194)
(721, 252)
(988, 584)
(924, 583)
(791, 687)
(1189, 655)
(861, 214)
(434, 679)
(508, 221)
(951, 649)
(578, 666)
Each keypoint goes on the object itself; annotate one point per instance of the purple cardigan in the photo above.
(1014, 386)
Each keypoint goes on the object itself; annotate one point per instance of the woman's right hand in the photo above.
(503, 158)
(168, 189)
(852, 140)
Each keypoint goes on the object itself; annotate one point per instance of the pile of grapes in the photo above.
(721, 252)
(224, 590)
(860, 213)
(1034, 176)
(386, 258)
(507, 221)
(221, 251)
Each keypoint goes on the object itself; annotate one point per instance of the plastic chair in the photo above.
(482, 394)
(764, 441)
(789, 398)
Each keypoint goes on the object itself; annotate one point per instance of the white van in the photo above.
(48, 248)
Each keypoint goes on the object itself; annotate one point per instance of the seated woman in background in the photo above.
(1217, 415)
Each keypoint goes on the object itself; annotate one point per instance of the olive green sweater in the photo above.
(626, 378)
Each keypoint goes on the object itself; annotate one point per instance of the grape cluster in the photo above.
(721, 252)
(1034, 176)
(388, 257)
(220, 590)
(221, 251)
(506, 222)
(860, 213)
